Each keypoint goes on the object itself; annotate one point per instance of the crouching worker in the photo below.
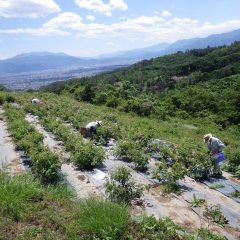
(91, 128)
(35, 101)
(215, 148)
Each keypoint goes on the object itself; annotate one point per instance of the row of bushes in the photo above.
(45, 164)
(84, 155)
(133, 134)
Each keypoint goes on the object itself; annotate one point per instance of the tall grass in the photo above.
(16, 194)
(30, 210)
(102, 220)
(19, 193)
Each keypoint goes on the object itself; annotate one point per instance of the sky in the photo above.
(88, 28)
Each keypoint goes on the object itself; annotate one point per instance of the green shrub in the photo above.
(140, 159)
(165, 229)
(45, 166)
(88, 156)
(102, 220)
(121, 188)
(169, 175)
(142, 138)
(200, 165)
(9, 98)
(112, 102)
(124, 148)
(130, 151)
(106, 132)
(237, 173)
(29, 141)
(233, 162)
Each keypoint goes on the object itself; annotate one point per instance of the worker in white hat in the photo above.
(92, 126)
(35, 101)
(215, 148)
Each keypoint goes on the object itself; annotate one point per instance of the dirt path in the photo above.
(231, 177)
(9, 158)
(228, 205)
(225, 186)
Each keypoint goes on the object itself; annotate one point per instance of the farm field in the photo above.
(71, 177)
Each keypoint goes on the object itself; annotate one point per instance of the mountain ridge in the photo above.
(39, 61)
(213, 40)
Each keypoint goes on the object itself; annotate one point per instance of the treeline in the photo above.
(191, 84)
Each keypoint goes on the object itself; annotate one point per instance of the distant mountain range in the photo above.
(40, 61)
(181, 45)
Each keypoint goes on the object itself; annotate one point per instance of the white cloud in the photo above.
(118, 4)
(66, 20)
(166, 13)
(27, 8)
(39, 32)
(101, 7)
(90, 18)
(149, 28)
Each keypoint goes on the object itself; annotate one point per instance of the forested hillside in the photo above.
(198, 83)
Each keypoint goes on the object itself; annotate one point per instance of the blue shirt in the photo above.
(215, 145)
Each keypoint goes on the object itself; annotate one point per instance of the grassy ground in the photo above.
(29, 210)
(32, 211)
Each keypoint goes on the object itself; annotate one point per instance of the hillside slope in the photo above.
(199, 83)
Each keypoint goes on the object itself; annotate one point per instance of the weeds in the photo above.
(236, 194)
(102, 220)
(214, 213)
(216, 186)
(205, 234)
(151, 228)
(197, 202)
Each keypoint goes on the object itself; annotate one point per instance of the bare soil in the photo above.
(9, 158)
